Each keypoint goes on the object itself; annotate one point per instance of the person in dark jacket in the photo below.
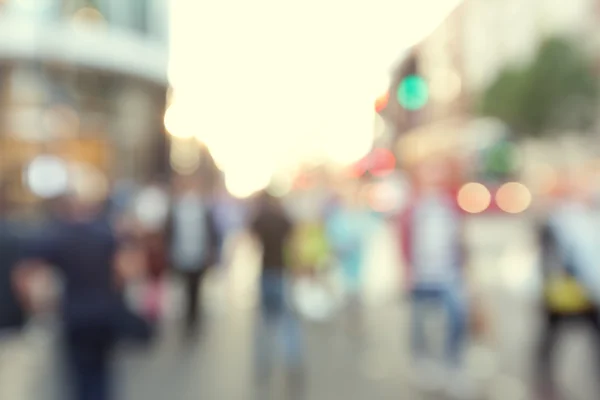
(272, 228)
(82, 247)
(571, 281)
(193, 243)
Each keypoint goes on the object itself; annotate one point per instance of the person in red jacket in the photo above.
(431, 240)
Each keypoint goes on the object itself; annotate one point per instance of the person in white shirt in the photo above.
(430, 229)
(193, 242)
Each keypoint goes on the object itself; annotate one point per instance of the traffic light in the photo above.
(413, 93)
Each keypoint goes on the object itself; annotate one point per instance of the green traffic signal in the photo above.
(413, 93)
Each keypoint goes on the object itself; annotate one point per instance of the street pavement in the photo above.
(341, 364)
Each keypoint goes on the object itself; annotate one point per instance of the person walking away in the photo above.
(94, 266)
(348, 232)
(570, 250)
(431, 232)
(193, 243)
(272, 229)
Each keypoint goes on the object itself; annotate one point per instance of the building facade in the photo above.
(480, 38)
(84, 80)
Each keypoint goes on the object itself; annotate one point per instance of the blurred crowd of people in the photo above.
(115, 251)
(105, 246)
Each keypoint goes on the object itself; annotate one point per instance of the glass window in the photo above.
(140, 15)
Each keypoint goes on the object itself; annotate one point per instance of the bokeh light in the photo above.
(474, 198)
(88, 15)
(383, 162)
(385, 196)
(184, 156)
(413, 93)
(151, 207)
(513, 198)
(244, 183)
(174, 123)
(382, 102)
(47, 176)
(281, 184)
(87, 182)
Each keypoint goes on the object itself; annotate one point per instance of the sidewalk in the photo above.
(219, 366)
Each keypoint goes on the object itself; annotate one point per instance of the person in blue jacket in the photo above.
(348, 232)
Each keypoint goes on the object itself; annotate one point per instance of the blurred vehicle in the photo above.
(486, 167)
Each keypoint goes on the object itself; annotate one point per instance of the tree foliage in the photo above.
(557, 91)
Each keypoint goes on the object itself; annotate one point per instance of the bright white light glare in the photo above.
(176, 124)
(47, 177)
(243, 184)
(152, 207)
(446, 85)
(389, 194)
(281, 184)
(298, 92)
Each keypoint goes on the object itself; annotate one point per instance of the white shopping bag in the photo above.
(312, 299)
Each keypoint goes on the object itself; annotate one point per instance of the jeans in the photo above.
(194, 281)
(428, 301)
(278, 324)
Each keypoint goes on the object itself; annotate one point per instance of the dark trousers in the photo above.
(193, 282)
(89, 353)
(554, 322)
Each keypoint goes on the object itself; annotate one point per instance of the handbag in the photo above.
(312, 299)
